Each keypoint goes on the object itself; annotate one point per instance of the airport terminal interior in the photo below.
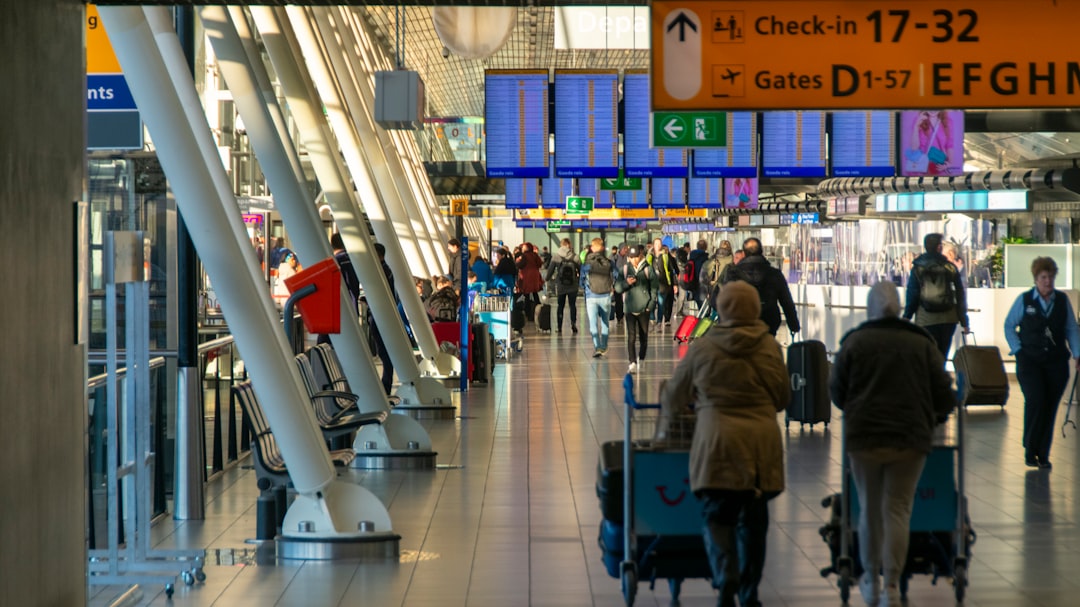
(197, 412)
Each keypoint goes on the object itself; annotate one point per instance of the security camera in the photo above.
(445, 52)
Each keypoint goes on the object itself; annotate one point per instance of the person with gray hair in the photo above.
(889, 379)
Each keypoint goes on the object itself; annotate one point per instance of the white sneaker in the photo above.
(870, 587)
(633, 368)
(890, 596)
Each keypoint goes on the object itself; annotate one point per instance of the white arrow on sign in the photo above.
(682, 53)
(673, 128)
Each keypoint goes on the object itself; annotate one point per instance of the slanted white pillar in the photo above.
(162, 86)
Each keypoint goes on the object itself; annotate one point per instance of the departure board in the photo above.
(603, 199)
(522, 193)
(705, 193)
(863, 144)
(640, 159)
(516, 123)
(586, 123)
(793, 144)
(633, 199)
(738, 158)
(668, 193)
(554, 192)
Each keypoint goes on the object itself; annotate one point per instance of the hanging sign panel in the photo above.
(863, 54)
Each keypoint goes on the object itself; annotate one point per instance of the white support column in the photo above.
(162, 86)
(300, 92)
(281, 165)
(368, 168)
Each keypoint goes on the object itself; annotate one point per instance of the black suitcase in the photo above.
(983, 371)
(517, 313)
(808, 371)
(543, 318)
(480, 346)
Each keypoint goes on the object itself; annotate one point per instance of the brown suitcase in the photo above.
(982, 372)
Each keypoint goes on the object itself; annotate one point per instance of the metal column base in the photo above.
(394, 460)
(426, 411)
(373, 546)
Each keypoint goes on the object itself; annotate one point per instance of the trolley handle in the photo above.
(628, 385)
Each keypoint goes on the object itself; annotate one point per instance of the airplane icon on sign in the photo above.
(730, 75)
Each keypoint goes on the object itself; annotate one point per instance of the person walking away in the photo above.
(714, 267)
(665, 269)
(597, 279)
(454, 247)
(530, 281)
(1042, 334)
(936, 297)
(638, 286)
(770, 283)
(737, 454)
(690, 279)
(504, 276)
(889, 379)
(564, 271)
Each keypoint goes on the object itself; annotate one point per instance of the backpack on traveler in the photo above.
(567, 274)
(689, 277)
(937, 290)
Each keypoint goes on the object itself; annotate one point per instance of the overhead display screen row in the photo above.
(739, 157)
(793, 144)
(641, 160)
(863, 144)
(516, 123)
(586, 123)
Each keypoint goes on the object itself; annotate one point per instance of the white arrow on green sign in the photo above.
(579, 205)
(689, 129)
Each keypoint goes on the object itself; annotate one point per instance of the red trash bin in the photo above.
(321, 310)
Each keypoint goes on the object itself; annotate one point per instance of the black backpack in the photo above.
(567, 274)
(600, 280)
(937, 291)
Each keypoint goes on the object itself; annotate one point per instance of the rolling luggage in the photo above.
(517, 313)
(482, 352)
(983, 373)
(543, 318)
(686, 327)
(705, 322)
(808, 370)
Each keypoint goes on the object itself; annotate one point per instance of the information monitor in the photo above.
(668, 193)
(586, 123)
(793, 144)
(705, 193)
(863, 144)
(738, 158)
(516, 123)
(522, 193)
(640, 159)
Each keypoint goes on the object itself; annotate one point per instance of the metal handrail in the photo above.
(99, 381)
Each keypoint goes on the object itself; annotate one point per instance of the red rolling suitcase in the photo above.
(686, 328)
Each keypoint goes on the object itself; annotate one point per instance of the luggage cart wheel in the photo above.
(200, 575)
(188, 577)
(675, 585)
(960, 582)
(629, 583)
(169, 591)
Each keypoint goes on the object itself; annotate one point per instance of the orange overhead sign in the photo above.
(100, 58)
(864, 54)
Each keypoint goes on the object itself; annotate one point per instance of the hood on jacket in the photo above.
(738, 338)
(562, 254)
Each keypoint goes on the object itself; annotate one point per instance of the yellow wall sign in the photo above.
(684, 213)
(100, 58)
(459, 206)
(864, 54)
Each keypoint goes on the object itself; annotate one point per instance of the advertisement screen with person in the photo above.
(741, 193)
(932, 143)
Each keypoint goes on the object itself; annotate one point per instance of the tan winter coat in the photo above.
(737, 380)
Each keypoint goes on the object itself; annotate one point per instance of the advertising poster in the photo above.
(931, 143)
(741, 193)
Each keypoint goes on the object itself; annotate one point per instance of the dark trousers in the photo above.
(616, 307)
(384, 356)
(563, 298)
(637, 326)
(1043, 384)
(942, 334)
(665, 302)
(736, 523)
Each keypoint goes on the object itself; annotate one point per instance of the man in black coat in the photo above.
(771, 286)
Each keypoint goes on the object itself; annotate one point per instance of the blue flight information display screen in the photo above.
(522, 193)
(603, 199)
(793, 144)
(668, 193)
(705, 193)
(863, 144)
(738, 158)
(554, 192)
(639, 159)
(632, 199)
(586, 124)
(516, 123)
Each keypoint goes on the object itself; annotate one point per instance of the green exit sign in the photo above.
(689, 129)
(625, 183)
(579, 205)
(557, 225)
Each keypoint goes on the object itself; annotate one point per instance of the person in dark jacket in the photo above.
(564, 271)
(504, 276)
(889, 379)
(530, 281)
(638, 285)
(454, 247)
(1038, 327)
(667, 273)
(597, 280)
(939, 318)
(696, 263)
(770, 283)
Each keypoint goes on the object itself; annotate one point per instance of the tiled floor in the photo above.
(515, 520)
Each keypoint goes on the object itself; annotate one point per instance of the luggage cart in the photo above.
(941, 533)
(494, 309)
(661, 519)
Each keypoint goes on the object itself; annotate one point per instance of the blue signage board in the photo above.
(586, 123)
(522, 193)
(108, 92)
(516, 123)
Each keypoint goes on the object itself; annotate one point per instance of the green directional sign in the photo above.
(557, 225)
(579, 205)
(624, 183)
(689, 129)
